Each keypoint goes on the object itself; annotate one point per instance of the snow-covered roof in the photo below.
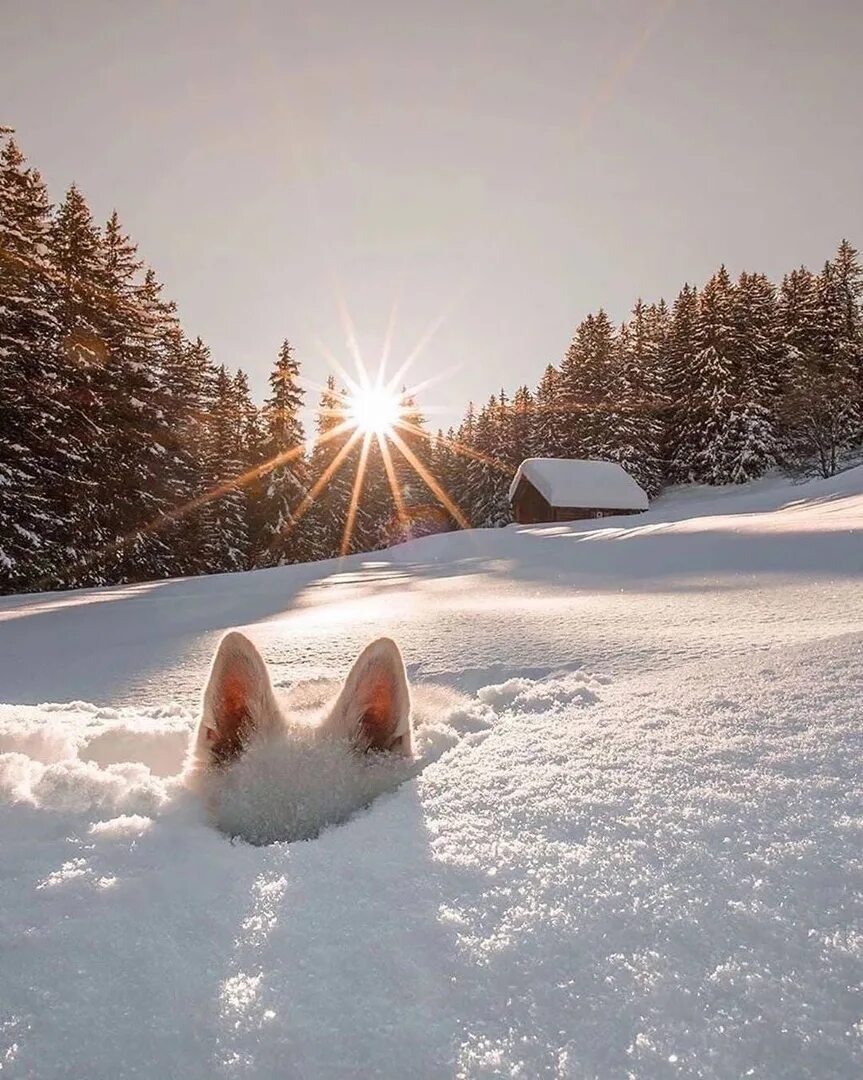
(602, 485)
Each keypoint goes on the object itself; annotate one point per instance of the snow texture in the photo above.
(601, 485)
(630, 845)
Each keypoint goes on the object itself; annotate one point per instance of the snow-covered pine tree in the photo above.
(457, 463)
(452, 460)
(678, 382)
(325, 518)
(842, 341)
(548, 427)
(76, 255)
(574, 406)
(284, 486)
(658, 331)
(487, 504)
(250, 442)
(633, 401)
(819, 320)
(522, 420)
(502, 429)
(711, 396)
(586, 389)
(444, 464)
(37, 449)
(375, 522)
(187, 398)
(251, 432)
(132, 478)
(419, 505)
(224, 516)
(750, 439)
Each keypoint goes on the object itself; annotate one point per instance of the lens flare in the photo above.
(374, 410)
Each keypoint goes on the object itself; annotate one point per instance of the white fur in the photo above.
(301, 765)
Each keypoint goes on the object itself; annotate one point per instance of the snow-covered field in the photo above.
(634, 849)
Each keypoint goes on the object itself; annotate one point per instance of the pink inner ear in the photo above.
(231, 714)
(378, 720)
(232, 704)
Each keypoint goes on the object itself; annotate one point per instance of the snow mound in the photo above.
(83, 758)
(525, 695)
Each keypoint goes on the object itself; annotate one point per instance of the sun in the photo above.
(373, 410)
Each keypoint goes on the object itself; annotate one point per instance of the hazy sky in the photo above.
(506, 165)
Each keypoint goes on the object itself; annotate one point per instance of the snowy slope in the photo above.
(634, 849)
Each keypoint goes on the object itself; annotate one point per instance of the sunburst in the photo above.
(381, 410)
(374, 410)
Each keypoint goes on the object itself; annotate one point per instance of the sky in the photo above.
(478, 175)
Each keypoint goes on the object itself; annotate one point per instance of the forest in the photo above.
(127, 454)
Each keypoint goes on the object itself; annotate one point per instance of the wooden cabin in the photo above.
(567, 489)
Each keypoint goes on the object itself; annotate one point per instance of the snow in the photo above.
(630, 845)
(601, 485)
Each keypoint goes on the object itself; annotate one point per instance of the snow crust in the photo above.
(603, 485)
(630, 845)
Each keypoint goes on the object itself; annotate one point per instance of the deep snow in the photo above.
(633, 848)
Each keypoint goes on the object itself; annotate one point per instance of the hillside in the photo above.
(634, 848)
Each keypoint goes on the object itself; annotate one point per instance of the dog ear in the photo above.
(374, 707)
(238, 699)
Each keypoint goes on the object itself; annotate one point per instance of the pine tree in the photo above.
(417, 511)
(633, 402)
(76, 255)
(326, 517)
(130, 478)
(711, 393)
(36, 447)
(285, 485)
(225, 516)
(457, 466)
(187, 398)
(376, 523)
(488, 477)
(821, 337)
(842, 335)
(587, 376)
(749, 440)
(521, 434)
(445, 463)
(548, 438)
(678, 385)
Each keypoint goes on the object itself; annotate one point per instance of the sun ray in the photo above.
(624, 64)
(388, 339)
(177, 513)
(398, 498)
(432, 380)
(457, 447)
(347, 534)
(327, 355)
(308, 499)
(423, 343)
(350, 333)
(423, 473)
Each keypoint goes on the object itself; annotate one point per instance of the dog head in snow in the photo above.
(269, 770)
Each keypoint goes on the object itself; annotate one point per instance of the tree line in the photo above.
(734, 379)
(126, 454)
